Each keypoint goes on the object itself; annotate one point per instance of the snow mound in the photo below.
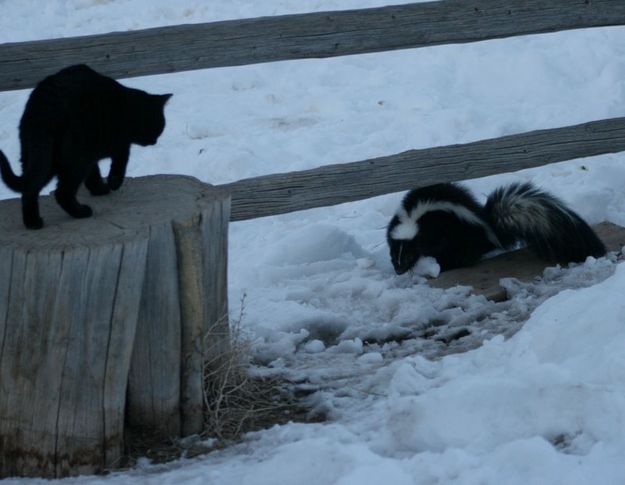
(559, 383)
(313, 243)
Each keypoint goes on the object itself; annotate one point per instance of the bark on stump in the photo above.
(103, 320)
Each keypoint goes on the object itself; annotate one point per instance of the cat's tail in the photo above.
(13, 181)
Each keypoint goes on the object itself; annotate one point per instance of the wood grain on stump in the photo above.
(102, 322)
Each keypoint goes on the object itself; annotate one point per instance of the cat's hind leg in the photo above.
(37, 172)
(30, 210)
(30, 201)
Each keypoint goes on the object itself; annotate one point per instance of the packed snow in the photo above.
(419, 385)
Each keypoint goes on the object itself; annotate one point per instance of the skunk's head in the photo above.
(402, 236)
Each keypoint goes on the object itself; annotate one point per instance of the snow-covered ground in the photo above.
(542, 400)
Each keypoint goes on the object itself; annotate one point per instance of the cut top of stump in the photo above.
(122, 215)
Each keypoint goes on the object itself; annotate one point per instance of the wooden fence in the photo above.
(314, 35)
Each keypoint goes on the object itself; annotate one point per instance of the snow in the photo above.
(420, 385)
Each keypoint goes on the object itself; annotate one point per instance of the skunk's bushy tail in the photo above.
(523, 213)
(13, 181)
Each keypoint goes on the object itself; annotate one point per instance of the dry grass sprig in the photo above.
(236, 401)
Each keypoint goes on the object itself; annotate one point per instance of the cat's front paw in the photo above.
(114, 182)
(33, 223)
(101, 189)
(82, 211)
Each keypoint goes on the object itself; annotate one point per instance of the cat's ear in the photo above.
(164, 98)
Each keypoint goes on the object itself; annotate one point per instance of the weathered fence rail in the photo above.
(346, 182)
(312, 35)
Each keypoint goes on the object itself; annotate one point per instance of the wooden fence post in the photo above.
(180, 303)
(82, 300)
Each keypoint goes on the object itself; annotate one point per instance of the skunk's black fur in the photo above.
(446, 222)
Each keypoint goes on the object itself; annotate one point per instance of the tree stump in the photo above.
(103, 320)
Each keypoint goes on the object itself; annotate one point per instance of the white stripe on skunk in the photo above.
(408, 227)
(446, 222)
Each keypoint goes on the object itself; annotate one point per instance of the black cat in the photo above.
(73, 119)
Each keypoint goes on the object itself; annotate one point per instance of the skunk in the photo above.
(446, 222)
